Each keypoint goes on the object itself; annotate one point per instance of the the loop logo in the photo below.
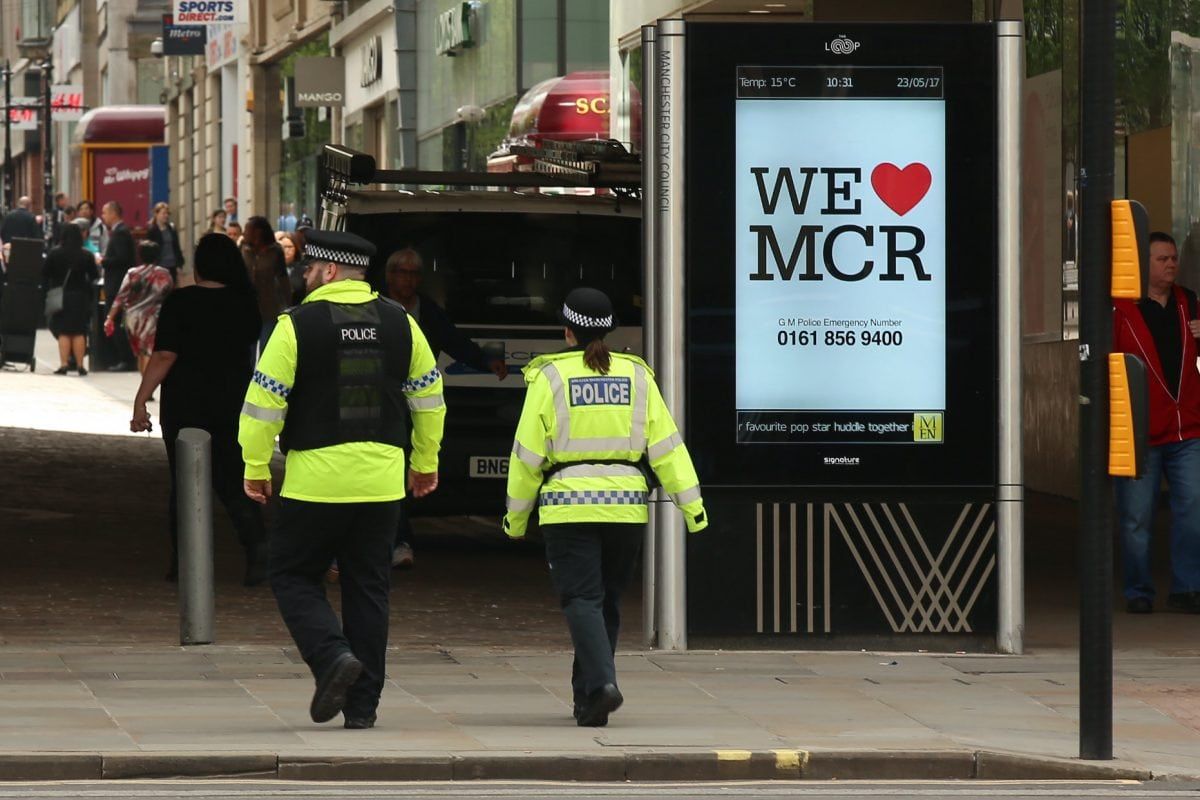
(842, 46)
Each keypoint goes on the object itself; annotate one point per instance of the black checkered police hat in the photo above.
(339, 247)
(588, 313)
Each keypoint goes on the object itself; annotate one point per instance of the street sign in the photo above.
(22, 114)
(320, 81)
(66, 102)
(184, 40)
(206, 12)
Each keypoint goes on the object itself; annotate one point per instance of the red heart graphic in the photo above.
(901, 189)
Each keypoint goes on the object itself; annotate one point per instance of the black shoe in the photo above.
(1140, 605)
(1188, 602)
(256, 566)
(359, 723)
(82, 371)
(62, 370)
(330, 695)
(600, 704)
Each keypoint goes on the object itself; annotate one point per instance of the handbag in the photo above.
(54, 297)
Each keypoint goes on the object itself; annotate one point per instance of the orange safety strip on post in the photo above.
(1122, 445)
(1126, 264)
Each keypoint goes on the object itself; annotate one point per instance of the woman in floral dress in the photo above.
(141, 296)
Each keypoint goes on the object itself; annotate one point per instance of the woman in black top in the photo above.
(162, 232)
(204, 358)
(74, 269)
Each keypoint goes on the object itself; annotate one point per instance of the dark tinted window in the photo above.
(513, 269)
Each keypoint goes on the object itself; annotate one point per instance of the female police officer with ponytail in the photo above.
(591, 419)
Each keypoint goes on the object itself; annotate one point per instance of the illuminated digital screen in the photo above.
(840, 249)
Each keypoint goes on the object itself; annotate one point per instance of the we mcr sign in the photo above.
(838, 193)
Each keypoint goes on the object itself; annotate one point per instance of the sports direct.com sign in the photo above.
(206, 12)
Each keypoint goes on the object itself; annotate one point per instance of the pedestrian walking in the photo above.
(593, 421)
(268, 273)
(1161, 329)
(347, 369)
(216, 222)
(141, 298)
(119, 257)
(203, 358)
(20, 222)
(163, 233)
(74, 269)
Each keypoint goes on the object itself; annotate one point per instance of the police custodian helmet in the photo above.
(339, 247)
(588, 313)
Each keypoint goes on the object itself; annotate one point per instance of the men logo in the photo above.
(842, 46)
(927, 427)
(608, 391)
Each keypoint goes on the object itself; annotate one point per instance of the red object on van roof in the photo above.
(568, 108)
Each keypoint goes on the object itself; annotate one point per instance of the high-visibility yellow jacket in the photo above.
(355, 472)
(578, 441)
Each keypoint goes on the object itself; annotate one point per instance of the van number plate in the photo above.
(489, 467)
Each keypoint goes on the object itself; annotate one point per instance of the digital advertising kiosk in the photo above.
(836, 283)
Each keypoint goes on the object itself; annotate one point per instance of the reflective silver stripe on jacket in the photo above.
(598, 471)
(562, 441)
(518, 506)
(603, 497)
(426, 403)
(263, 414)
(527, 456)
(687, 496)
(660, 449)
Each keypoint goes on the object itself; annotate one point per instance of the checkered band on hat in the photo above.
(582, 321)
(319, 253)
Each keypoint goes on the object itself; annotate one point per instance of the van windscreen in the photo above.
(497, 268)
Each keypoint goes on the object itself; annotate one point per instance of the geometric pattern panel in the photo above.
(923, 573)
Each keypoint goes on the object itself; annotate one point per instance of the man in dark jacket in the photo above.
(20, 222)
(1161, 329)
(403, 275)
(119, 257)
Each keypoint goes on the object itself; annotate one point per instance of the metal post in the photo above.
(668, 205)
(1097, 120)
(8, 162)
(1010, 67)
(649, 311)
(193, 482)
(48, 153)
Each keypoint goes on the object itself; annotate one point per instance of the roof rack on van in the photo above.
(592, 163)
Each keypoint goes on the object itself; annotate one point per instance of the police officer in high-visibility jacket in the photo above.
(592, 418)
(339, 378)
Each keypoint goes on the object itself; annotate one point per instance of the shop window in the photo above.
(556, 37)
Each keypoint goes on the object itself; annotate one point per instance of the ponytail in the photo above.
(597, 357)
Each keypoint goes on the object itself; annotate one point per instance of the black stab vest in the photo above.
(352, 361)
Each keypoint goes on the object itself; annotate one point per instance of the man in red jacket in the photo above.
(1161, 330)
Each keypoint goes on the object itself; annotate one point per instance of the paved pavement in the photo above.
(473, 712)
(92, 684)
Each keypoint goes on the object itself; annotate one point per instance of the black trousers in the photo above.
(307, 538)
(227, 471)
(591, 564)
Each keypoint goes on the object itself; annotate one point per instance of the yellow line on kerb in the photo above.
(790, 759)
(733, 755)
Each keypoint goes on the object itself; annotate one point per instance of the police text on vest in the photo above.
(607, 391)
(360, 334)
